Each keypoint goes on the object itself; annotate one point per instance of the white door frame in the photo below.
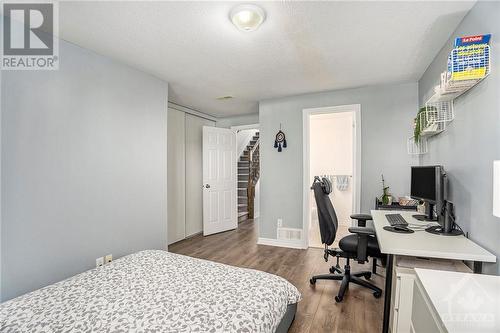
(356, 108)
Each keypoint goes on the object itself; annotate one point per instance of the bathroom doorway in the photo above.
(333, 149)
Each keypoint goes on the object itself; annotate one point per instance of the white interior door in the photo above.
(219, 180)
(194, 173)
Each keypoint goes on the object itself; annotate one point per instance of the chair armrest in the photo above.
(363, 234)
(361, 218)
(361, 231)
(365, 217)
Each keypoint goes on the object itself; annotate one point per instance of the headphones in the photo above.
(326, 185)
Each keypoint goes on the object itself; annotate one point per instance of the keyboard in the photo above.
(396, 220)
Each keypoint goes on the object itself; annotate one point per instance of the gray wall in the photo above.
(386, 120)
(246, 119)
(83, 167)
(472, 141)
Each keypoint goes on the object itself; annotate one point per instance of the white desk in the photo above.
(462, 302)
(421, 244)
(424, 244)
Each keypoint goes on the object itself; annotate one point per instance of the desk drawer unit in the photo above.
(404, 281)
(403, 299)
(423, 317)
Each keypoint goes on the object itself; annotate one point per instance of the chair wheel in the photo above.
(368, 276)
(338, 299)
(312, 281)
(377, 294)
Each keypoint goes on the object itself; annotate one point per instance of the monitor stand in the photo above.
(427, 218)
(424, 218)
(439, 230)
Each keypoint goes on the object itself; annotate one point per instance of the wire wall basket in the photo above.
(417, 147)
(435, 117)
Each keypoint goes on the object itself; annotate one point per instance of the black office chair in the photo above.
(358, 246)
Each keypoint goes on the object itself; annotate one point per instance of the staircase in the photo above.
(248, 175)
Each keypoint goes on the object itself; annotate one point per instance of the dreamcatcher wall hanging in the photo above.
(280, 140)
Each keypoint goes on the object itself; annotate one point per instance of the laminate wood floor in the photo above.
(317, 312)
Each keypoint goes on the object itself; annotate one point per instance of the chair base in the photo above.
(347, 277)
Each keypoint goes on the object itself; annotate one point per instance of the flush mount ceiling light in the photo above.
(247, 17)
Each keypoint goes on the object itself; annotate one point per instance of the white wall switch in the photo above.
(280, 223)
(99, 262)
(108, 258)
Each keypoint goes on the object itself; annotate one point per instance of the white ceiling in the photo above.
(301, 47)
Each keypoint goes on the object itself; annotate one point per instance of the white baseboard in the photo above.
(293, 244)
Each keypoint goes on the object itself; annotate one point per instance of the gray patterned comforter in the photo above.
(154, 291)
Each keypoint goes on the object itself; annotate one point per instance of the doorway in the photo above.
(248, 171)
(332, 150)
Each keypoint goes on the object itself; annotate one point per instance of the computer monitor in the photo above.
(427, 184)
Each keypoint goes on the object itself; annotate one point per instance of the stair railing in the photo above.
(253, 177)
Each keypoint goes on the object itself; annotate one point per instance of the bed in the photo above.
(157, 291)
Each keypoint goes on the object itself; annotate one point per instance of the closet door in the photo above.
(176, 176)
(194, 173)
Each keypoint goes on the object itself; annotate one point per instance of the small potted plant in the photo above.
(386, 197)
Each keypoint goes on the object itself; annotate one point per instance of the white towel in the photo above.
(342, 182)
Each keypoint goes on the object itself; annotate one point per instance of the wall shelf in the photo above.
(450, 90)
(461, 76)
(467, 66)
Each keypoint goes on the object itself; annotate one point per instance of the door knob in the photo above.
(207, 186)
